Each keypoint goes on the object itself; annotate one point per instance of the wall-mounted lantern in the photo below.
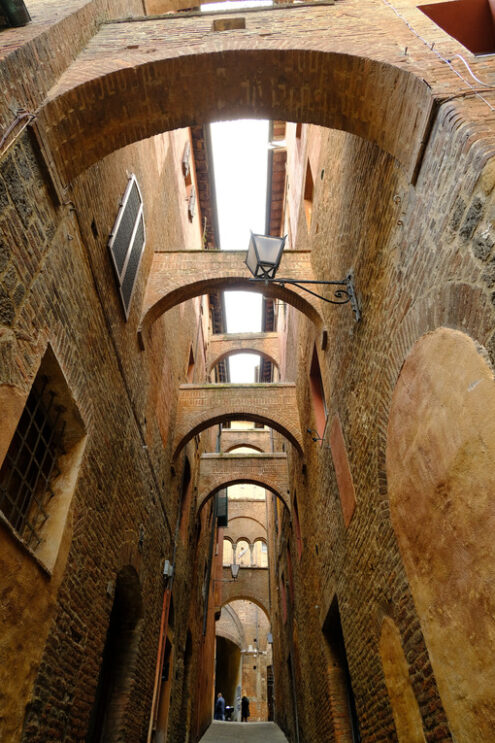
(263, 259)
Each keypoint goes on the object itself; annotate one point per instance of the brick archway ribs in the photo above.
(240, 481)
(134, 80)
(201, 406)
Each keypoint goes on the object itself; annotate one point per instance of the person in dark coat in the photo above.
(220, 707)
(244, 709)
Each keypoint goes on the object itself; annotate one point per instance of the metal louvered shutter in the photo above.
(222, 507)
(127, 240)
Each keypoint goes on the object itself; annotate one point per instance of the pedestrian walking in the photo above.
(244, 709)
(219, 707)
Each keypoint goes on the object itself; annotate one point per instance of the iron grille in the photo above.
(31, 464)
(127, 240)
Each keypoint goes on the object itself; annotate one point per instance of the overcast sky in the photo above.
(235, 4)
(240, 156)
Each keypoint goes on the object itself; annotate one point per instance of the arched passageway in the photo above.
(265, 345)
(222, 470)
(182, 275)
(257, 439)
(202, 406)
(205, 497)
(344, 78)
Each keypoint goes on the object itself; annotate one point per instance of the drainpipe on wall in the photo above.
(208, 564)
(167, 597)
(15, 12)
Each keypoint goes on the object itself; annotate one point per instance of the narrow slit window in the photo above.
(308, 195)
(317, 395)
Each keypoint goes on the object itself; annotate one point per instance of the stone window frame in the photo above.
(60, 488)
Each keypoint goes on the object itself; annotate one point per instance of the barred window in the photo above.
(39, 470)
(31, 464)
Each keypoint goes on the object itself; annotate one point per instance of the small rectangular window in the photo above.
(222, 508)
(39, 470)
(127, 241)
(31, 464)
(317, 395)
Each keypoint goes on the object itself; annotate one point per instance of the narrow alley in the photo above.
(240, 732)
(304, 550)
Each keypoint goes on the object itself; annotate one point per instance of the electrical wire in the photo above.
(20, 116)
(444, 59)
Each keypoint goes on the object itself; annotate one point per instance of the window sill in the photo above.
(19, 543)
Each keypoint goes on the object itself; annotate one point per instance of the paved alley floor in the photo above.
(243, 732)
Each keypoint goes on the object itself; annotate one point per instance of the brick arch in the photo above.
(235, 351)
(440, 452)
(183, 275)
(249, 518)
(245, 446)
(243, 594)
(134, 81)
(459, 306)
(237, 625)
(262, 482)
(255, 438)
(202, 406)
(261, 539)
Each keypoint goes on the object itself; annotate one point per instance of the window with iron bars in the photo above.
(30, 465)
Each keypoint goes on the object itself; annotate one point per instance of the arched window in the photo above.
(228, 552)
(260, 554)
(243, 553)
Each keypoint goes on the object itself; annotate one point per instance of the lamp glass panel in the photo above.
(251, 257)
(269, 249)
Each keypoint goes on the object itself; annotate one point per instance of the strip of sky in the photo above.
(239, 150)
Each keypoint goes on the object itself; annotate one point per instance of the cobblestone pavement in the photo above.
(243, 732)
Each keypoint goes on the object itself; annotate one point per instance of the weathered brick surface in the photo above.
(251, 585)
(222, 346)
(33, 57)
(221, 470)
(201, 406)
(58, 287)
(421, 258)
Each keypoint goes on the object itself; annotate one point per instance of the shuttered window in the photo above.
(127, 240)
(222, 508)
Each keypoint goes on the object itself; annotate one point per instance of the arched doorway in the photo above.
(119, 657)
